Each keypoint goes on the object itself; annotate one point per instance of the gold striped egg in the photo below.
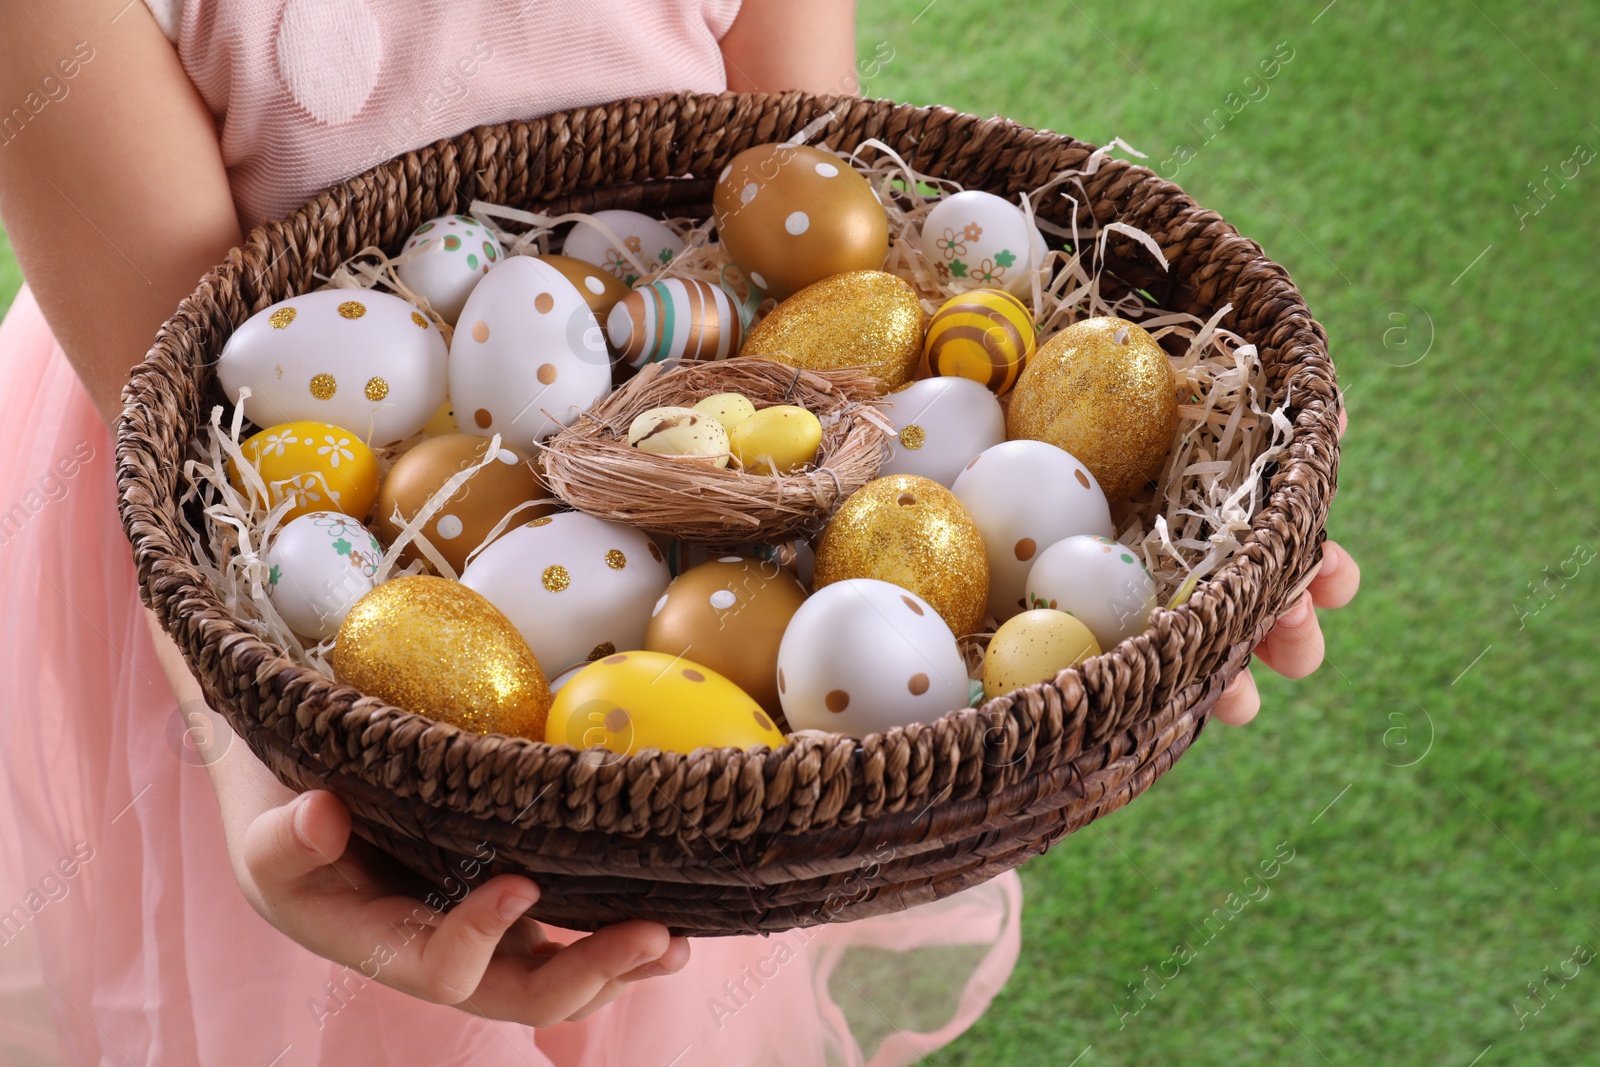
(985, 335)
(677, 319)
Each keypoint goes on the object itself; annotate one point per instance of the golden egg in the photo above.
(866, 318)
(474, 509)
(1033, 647)
(436, 648)
(321, 467)
(1103, 390)
(635, 700)
(791, 215)
(782, 438)
(729, 614)
(598, 288)
(912, 532)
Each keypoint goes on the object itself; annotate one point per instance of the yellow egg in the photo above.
(914, 533)
(866, 318)
(436, 648)
(320, 466)
(632, 701)
(791, 215)
(985, 335)
(1103, 390)
(443, 421)
(1033, 647)
(730, 409)
(782, 438)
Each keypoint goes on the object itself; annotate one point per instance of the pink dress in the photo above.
(123, 936)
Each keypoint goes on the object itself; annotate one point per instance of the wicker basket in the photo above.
(723, 842)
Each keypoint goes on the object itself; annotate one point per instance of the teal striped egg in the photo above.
(674, 319)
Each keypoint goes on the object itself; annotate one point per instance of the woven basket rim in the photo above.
(335, 716)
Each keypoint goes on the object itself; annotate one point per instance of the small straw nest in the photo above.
(591, 466)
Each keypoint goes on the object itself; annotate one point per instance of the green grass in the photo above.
(1387, 155)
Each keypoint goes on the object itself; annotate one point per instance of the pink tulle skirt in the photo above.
(124, 938)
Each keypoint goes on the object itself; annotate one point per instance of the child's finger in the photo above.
(1293, 647)
(536, 994)
(1337, 580)
(1239, 702)
(671, 962)
(288, 842)
(457, 950)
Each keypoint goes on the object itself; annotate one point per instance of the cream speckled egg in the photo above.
(357, 358)
(643, 238)
(319, 565)
(674, 319)
(862, 655)
(678, 431)
(452, 253)
(1097, 580)
(576, 587)
(528, 356)
(1026, 496)
(1034, 647)
(976, 239)
(942, 425)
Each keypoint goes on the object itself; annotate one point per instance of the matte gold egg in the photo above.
(598, 288)
(436, 648)
(1103, 390)
(913, 532)
(866, 318)
(729, 614)
(791, 215)
(1034, 647)
(474, 509)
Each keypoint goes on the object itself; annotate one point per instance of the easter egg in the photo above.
(1025, 496)
(443, 421)
(866, 318)
(674, 319)
(780, 439)
(356, 358)
(471, 513)
(792, 215)
(436, 648)
(635, 244)
(861, 656)
(527, 356)
(320, 467)
(1032, 647)
(447, 256)
(729, 614)
(796, 557)
(1104, 390)
(1098, 580)
(974, 239)
(318, 566)
(679, 431)
(599, 288)
(730, 409)
(941, 425)
(913, 532)
(636, 700)
(576, 587)
(986, 335)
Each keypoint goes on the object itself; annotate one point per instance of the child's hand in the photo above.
(483, 955)
(1293, 647)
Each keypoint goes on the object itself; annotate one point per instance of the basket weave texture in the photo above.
(722, 841)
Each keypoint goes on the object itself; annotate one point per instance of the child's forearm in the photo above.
(775, 45)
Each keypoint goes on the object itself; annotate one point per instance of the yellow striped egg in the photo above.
(676, 319)
(985, 335)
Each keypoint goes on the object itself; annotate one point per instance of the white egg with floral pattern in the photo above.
(319, 565)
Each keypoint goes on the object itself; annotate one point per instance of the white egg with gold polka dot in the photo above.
(357, 358)
(862, 655)
(444, 258)
(941, 425)
(528, 355)
(576, 587)
(644, 243)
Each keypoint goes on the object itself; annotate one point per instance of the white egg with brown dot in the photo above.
(861, 656)
(1025, 496)
(1098, 581)
(357, 358)
(528, 354)
(941, 424)
(576, 587)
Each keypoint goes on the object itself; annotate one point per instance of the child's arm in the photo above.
(792, 44)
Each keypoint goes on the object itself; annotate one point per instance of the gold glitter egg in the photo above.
(865, 318)
(1103, 390)
(912, 532)
(437, 648)
(791, 215)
